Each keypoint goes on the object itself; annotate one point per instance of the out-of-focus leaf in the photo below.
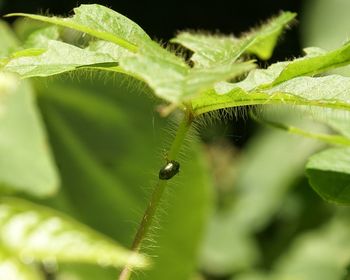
(252, 276)
(100, 22)
(84, 130)
(265, 175)
(329, 174)
(228, 48)
(8, 40)
(337, 120)
(41, 37)
(118, 163)
(24, 27)
(319, 255)
(85, 272)
(325, 23)
(328, 171)
(333, 139)
(38, 233)
(11, 268)
(25, 160)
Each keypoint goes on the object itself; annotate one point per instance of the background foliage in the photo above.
(252, 214)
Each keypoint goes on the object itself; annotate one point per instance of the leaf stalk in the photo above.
(158, 191)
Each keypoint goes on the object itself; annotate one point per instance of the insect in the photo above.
(169, 170)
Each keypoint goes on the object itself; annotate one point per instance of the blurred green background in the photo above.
(241, 208)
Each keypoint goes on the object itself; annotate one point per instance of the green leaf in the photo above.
(8, 40)
(41, 234)
(210, 50)
(329, 174)
(60, 57)
(226, 48)
(170, 77)
(13, 269)
(26, 164)
(260, 80)
(326, 92)
(42, 37)
(107, 48)
(264, 39)
(100, 22)
(162, 70)
(311, 65)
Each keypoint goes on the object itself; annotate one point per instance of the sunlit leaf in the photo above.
(12, 268)
(280, 84)
(38, 233)
(100, 22)
(54, 60)
(327, 92)
(312, 65)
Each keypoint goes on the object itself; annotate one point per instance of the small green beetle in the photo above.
(169, 170)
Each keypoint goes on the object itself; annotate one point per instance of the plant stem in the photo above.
(158, 191)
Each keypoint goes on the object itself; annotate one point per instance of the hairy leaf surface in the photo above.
(210, 50)
(100, 22)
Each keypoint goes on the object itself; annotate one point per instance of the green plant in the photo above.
(220, 75)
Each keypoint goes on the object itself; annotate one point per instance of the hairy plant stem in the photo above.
(158, 191)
